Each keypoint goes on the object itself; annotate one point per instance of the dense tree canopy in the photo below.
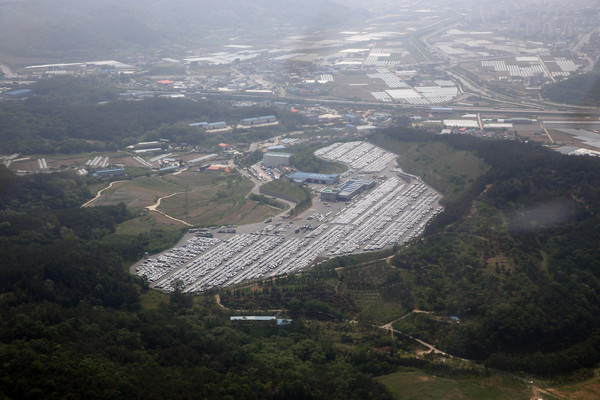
(517, 259)
(68, 115)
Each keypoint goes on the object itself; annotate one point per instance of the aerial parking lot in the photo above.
(394, 210)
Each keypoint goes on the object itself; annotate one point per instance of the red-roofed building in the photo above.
(213, 168)
(224, 146)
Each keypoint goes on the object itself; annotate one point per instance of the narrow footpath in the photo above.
(100, 193)
(154, 207)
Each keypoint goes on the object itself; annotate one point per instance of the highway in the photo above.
(568, 111)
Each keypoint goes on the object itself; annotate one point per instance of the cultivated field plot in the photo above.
(477, 44)
(397, 88)
(36, 163)
(524, 67)
(395, 210)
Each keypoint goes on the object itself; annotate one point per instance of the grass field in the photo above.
(146, 222)
(284, 187)
(208, 208)
(413, 385)
(211, 199)
(588, 389)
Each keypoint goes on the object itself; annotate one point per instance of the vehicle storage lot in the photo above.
(396, 210)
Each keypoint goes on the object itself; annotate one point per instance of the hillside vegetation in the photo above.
(516, 259)
(582, 90)
(70, 115)
(298, 194)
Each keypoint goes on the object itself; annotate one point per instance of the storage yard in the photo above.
(395, 210)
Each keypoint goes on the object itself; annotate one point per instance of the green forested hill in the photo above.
(516, 259)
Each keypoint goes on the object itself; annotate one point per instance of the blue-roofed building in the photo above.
(17, 94)
(281, 105)
(110, 173)
(352, 119)
(212, 126)
(168, 170)
(353, 187)
(311, 177)
(442, 110)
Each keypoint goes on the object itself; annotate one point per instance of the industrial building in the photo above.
(154, 145)
(169, 169)
(276, 147)
(353, 187)
(211, 126)
(352, 119)
(310, 177)
(442, 110)
(110, 173)
(268, 119)
(329, 194)
(260, 318)
(272, 160)
(203, 158)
